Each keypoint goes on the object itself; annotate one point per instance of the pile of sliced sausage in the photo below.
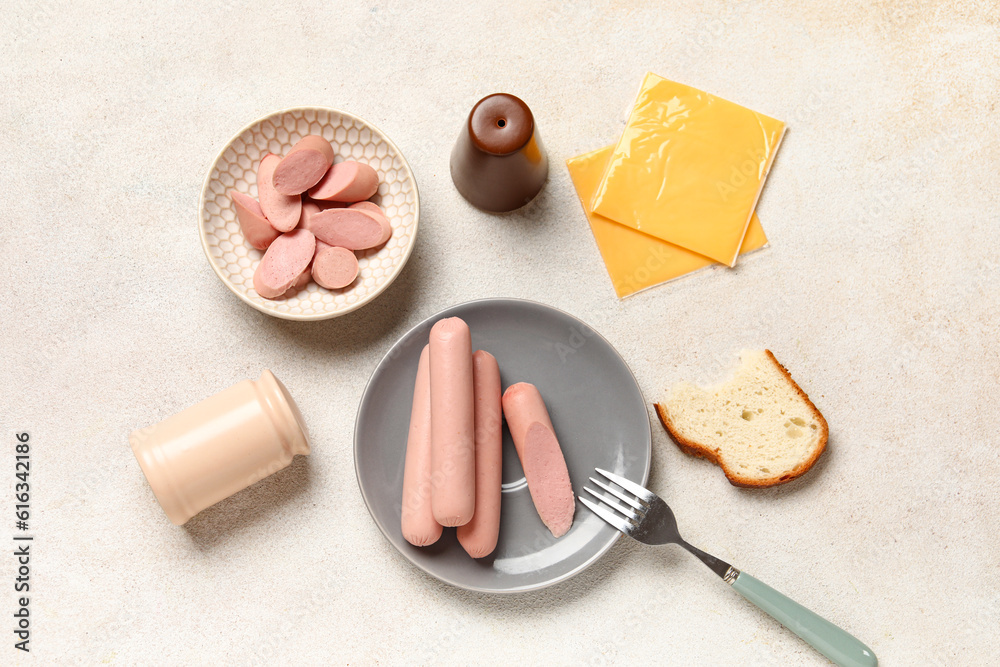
(311, 218)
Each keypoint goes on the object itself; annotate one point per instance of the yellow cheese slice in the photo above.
(689, 168)
(636, 261)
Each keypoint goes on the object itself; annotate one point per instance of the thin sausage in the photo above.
(541, 457)
(418, 524)
(479, 536)
(453, 458)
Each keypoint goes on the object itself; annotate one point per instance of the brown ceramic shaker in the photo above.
(498, 163)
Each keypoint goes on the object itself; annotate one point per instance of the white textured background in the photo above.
(880, 294)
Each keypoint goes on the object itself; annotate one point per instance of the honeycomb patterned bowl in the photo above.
(234, 261)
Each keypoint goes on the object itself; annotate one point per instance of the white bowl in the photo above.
(234, 261)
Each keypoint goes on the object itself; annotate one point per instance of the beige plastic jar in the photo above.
(221, 445)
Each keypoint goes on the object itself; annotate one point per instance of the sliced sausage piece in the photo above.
(541, 457)
(369, 206)
(347, 182)
(418, 524)
(257, 231)
(304, 166)
(384, 227)
(282, 211)
(312, 206)
(376, 212)
(523, 405)
(283, 263)
(335, 267)
(309, 208)
(303, 278)
(453, 443)
(479, 536)
(348, 228)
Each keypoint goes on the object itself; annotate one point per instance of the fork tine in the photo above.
(609, 516)
(627, 485)
(618, 494)
(613, 505)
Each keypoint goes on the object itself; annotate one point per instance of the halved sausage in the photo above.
(334, 267)
(283, 263)
(349, 228)
(312, 206)
(541, 457)
(282, 211)
(304, 165)
(347, 182)
(257, 231)
(369, 206)
(374, 210)
(303, 278)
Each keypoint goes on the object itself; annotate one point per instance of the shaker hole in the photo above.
(501, 123)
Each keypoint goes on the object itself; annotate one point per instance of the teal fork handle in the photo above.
(839, 646)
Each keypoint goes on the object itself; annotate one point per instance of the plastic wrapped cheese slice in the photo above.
(689, 168)
(636, 261)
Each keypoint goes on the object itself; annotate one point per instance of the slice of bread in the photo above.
(759, 427)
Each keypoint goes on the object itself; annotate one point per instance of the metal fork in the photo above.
(648, 519)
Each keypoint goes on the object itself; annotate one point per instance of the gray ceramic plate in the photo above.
(596, 407)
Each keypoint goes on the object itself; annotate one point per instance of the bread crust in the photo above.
(701, 451)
